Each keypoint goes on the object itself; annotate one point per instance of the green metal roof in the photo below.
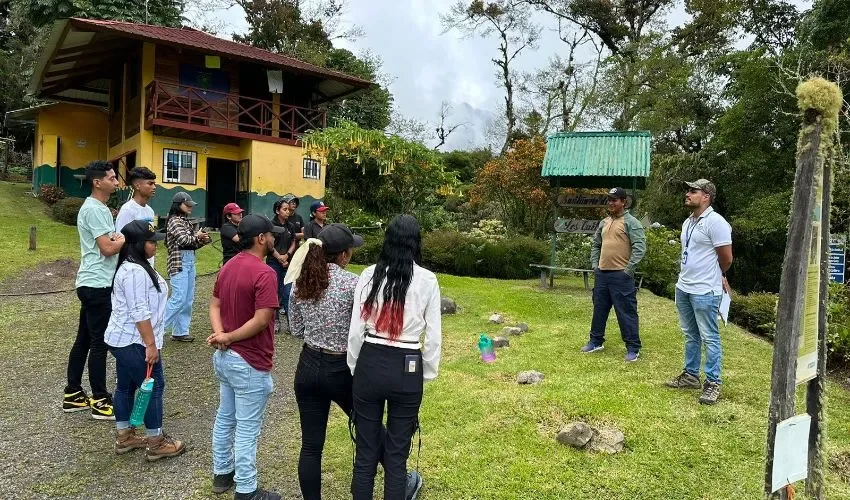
(597, 159)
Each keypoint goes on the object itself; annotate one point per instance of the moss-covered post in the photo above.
(819, 102)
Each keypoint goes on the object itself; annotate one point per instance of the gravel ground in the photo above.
(45, 453)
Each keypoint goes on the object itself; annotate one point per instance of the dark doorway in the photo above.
(221, 188)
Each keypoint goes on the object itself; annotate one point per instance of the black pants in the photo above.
(95, 308)
(617, 289)
(380, 379)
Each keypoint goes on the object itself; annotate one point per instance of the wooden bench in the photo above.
(549, 271)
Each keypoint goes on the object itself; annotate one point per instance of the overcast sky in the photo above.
(427, 67)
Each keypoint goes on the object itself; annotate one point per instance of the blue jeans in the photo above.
(243, 394)
(698, 319)
(617, 289)
(283, 291)
(130, 370)
(178, 311)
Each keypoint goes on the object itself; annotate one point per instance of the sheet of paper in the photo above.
(725, 302)
(791, 451)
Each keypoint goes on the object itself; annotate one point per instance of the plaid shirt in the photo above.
(179, 236)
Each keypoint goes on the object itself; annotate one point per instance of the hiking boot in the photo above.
(101, 409)
(222, 482)
(710, 393)
(182, 338)
(163, 446)
(258, 494)
(75, 401)
(684, 381)
(591, 347)
(413, 485)
(631, 357)
(127, 441)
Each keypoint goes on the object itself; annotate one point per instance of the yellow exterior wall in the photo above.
(146, 155)
(278, 168)
(82, 132)
(205, 150)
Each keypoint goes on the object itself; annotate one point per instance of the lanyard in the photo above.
(691, 227)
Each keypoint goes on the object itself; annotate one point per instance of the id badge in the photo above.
(411, 363)
(684, 257)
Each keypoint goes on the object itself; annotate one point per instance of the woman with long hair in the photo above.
(134, 336)
(181, 241)
(395, 302)
(278, 259)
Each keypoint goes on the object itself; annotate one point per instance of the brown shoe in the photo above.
(127, 440)
(163, 446)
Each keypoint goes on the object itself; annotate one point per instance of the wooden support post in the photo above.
(32, 238)
(792, 288)
(816, 390)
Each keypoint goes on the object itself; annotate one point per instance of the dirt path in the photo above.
(48, 454)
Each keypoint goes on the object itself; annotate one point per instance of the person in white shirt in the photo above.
(395, 302)
(134, 336)
(143, 182)
(706, 256)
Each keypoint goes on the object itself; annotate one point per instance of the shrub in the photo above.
(660, 265)
(465, 255)
(66, 210)
(50, 193)
(838, 332)
(489, 229)
(574, 250)
(755, 312)
(368, 253)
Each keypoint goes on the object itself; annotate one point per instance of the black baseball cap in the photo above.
(255, 225)
(336, 238)
(183, 197)
(618, 193)
(139, 230)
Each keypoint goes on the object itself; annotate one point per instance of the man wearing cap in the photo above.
(318, 215)
(618, 247)
(232, 214)
(295, 218)
(242, 311)
(706, 256)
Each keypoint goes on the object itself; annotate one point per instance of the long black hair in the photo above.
(176, 210)
(402, 248)
(135, 254)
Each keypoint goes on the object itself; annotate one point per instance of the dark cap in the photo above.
(619, 193)
(289, 198)
(336, 238)
(183, 197)
(140, 230)
(704, 185)
(255, 225)
(318, 206)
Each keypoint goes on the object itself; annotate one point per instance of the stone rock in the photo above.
(447, 306)
(501, 342)
(511, 330)
(529, 377)
(576, 434)
(522, 326)
(497, 318)
(607, 440)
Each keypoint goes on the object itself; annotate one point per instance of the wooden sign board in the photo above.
(580, 226)
(581, 200)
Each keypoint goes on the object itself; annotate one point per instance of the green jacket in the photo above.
(636, 236)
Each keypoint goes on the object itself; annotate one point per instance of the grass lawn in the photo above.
(483, 435)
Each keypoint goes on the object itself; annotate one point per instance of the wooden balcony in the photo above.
(218, 113)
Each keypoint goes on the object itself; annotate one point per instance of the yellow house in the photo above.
(212, 117)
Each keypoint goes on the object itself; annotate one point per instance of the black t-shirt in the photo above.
(228, 247)
(297, 222)
(283, 240)
(312, 229)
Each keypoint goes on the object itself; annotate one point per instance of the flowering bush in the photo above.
(50, 193)
(489, 229)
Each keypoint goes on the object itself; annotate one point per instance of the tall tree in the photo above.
(510, 22)
(158, 12)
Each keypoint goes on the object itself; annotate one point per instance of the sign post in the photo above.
(837, 246)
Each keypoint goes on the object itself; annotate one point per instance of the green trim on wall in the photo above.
(161, 202)
(46, 174)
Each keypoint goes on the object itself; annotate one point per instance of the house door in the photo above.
(222, 182)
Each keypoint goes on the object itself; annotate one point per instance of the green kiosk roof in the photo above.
(597, 159)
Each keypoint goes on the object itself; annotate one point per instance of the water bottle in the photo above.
(143, 397)
(485, 345)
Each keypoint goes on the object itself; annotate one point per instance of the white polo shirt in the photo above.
(700, 271)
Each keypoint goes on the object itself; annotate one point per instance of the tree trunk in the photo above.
(793, 287)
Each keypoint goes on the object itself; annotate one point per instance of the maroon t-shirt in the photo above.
(244, 285)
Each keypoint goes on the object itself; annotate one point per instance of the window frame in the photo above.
(312, 163)
(180, 154)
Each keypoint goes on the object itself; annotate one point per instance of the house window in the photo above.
(180, 167)
(312, 168)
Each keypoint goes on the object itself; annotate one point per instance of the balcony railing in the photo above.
(208, 111)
